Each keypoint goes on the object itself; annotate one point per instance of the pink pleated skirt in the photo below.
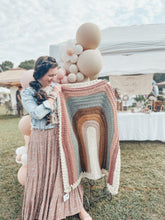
(43, 195)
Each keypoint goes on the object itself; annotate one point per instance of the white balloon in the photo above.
(74, 58)
(63, 50)
(78, 49)
(24, 159)
(80, 77)
(66, 58)
(72, 77)
(21, 150)
(66, 65)
(73, 68)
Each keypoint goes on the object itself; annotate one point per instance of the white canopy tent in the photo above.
(133, 39)
(133, 50)
(4, 90)
(4, 94)
(138, 49)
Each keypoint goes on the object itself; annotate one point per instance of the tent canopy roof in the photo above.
(142, 63)
(138, 49)
(4, 90)
(11, 77)
(133, 39)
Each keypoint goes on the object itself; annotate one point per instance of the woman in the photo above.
(44, 194)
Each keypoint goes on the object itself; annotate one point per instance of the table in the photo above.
(141, 126)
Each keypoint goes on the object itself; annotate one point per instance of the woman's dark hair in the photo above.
(41, 67)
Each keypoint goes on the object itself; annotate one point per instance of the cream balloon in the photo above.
(66, 66)
(64, 80)
(25, 125)
(90, 62)
(26, 78)
(94, 77)
(88, 36)
(72, 77)
(74, 58)
(22, 175)
(80, 77)
(73, 68)
(78, 49)
(86, 79)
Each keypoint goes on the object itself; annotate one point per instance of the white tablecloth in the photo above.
(141, 126)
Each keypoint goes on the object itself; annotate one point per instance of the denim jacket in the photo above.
(37, 112)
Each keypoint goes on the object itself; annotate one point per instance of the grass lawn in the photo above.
(142, 182)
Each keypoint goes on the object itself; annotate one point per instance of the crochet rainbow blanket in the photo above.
(88, 134)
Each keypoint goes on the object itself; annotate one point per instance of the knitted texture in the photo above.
(89, 137)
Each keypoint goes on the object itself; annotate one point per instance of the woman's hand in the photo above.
(51, 101)
(57, 88)
(53, 95)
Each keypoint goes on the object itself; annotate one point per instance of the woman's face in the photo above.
(48, 78)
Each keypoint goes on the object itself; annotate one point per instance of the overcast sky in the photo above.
(27, 28)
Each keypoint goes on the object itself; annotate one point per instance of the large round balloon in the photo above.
(94, 77)
(25, 125)
(22, 175)
(88, 36)
(26, 78)
(90, 62)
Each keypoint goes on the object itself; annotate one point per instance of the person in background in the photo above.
(155, 89)
(19, 102)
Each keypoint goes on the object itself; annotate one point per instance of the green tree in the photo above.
(139, 98)
(27, 64)
(6, 65)
(159, 77)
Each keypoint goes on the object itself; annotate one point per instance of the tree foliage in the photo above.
(159, 77)
(27, 64)
(6, 65)
(139, 98)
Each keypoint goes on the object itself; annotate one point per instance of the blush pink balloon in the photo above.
(22, 175)
(26, 78)
(65, 80)
(70, 51)
(25, 125)
(61, 73)
(56, 80)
